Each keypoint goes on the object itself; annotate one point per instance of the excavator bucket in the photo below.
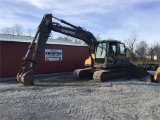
(27, 78)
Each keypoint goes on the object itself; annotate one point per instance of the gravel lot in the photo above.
(61, 97)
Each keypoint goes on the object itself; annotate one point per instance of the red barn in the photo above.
(13, 48)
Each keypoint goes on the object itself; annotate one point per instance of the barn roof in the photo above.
(28, 39)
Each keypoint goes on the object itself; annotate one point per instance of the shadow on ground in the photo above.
(67, 79)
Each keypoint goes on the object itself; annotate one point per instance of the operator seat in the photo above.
(111, 55)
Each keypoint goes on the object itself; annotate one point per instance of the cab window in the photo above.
(122, 49)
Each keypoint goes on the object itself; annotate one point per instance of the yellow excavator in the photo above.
(157, 75)
(107, 58)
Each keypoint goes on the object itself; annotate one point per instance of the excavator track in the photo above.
(98, 74)
(102, 75)
(83, 74)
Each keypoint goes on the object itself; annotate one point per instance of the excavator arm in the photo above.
(25, 75)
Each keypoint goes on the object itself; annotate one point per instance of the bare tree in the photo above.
(6, 30)
(78, 41)
(141, 49)
(29, 32)
(12, 30)
(131, 41)
(157, 52)
(60, 38)
(98, 37)
(151, 52)
(18, 29)
(66, 38)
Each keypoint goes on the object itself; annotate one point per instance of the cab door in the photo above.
(121, 53)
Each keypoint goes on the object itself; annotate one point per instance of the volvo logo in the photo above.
(68, 32)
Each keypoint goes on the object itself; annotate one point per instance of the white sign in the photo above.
(53, 55)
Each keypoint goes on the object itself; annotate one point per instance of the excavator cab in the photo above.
(100, 53)
(109, 53)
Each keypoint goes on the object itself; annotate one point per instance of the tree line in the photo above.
(17, 29)
(141, 51)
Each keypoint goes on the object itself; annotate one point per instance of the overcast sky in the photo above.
(115, 19)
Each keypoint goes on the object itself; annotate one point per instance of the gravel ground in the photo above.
(61, 97)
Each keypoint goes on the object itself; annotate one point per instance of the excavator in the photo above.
(107, 57)
(157, 75)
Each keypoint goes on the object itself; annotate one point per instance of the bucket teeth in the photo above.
(26, 78)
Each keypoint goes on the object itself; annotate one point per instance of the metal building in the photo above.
(69, 56)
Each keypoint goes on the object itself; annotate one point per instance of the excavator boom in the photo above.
(25, 75)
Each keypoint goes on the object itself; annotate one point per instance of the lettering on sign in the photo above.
(53, 55)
